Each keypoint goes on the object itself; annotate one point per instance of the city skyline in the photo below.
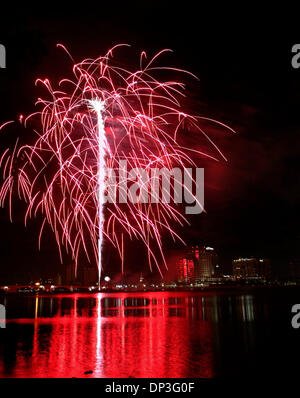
(249, 211)
(193, 266)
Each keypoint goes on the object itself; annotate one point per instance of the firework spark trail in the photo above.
(62, 175)
(99, 107)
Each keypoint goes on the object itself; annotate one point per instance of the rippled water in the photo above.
(159, 334)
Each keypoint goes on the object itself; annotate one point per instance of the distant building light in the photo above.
(244, 259)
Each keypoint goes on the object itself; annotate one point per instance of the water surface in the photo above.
(159, 334)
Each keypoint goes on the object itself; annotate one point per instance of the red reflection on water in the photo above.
(159, 339)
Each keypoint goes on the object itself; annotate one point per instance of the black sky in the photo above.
(243, 60)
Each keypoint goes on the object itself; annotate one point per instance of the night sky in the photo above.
(243, 60)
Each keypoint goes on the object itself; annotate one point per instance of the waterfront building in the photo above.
(185, 270)
(198, 265)
(251, 267)
(206, 263)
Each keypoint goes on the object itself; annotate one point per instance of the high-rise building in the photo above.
(263, 268)
(185, 270)
(206, 262)
(244, 267)
(199, 264)
(251, 267)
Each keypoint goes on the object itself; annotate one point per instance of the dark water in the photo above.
(160, 334)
